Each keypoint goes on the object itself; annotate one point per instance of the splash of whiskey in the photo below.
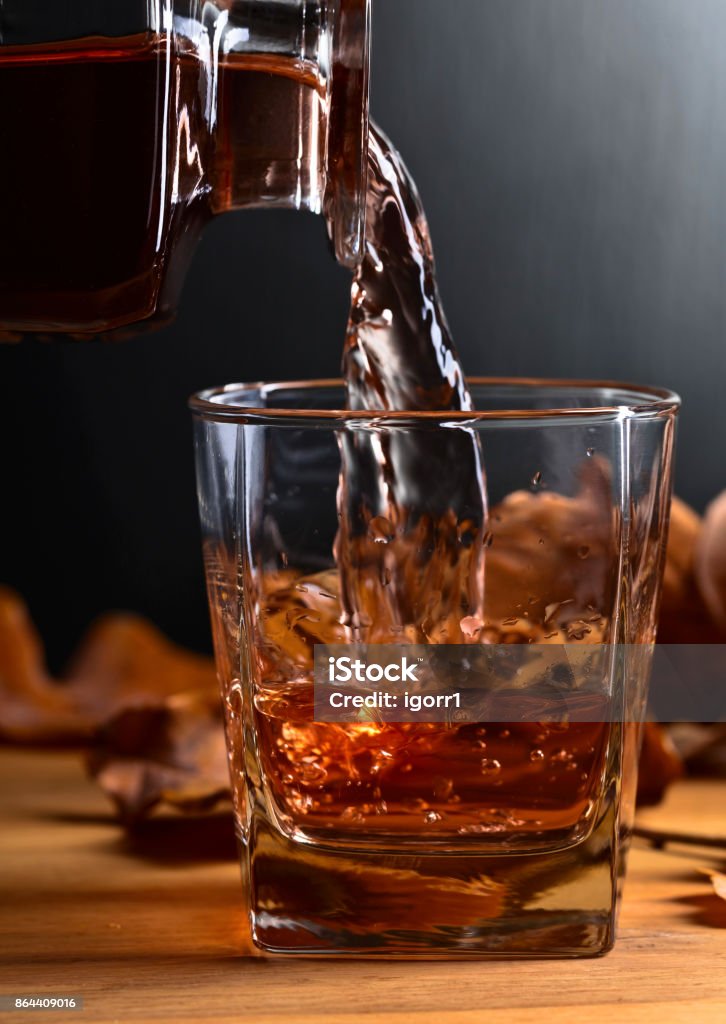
(412, 499)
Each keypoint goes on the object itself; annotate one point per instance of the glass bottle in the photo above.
(128, 124)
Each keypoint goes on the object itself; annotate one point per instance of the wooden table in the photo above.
(151, 928)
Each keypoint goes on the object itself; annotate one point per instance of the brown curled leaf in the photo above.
(660, 765)
(710, 561)
(542, 544)
(123, 660)
(170, 752)
(684, 615)
(33, 707)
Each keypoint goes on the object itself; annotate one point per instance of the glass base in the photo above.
(309, 901)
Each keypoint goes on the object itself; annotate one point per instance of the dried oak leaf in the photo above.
(170, 752)
(660, 765)
(684, 615)
(551, 550)
(710, 561)
(33, 708)
(122, 660)
(127, 659)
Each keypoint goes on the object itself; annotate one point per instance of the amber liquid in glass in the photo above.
(413, 837)
(519, 783)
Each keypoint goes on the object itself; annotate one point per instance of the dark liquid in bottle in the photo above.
(112, 166)
(83, 206)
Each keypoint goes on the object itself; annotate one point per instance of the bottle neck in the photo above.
(284, 87)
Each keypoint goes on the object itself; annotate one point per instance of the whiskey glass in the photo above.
(499, 837)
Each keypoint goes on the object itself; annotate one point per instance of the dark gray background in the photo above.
(572, 159)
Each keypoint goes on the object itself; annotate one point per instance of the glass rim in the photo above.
(644, 402)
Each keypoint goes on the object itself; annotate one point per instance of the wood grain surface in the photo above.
(151, 928)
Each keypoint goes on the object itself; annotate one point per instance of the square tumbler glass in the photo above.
(500, 833)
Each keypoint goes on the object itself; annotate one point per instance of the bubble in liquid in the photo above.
(380, 530)
(312, 773)
(431, 817)
(352, 815)
(303, 803)
(536, 755)
(560, 757)
(537, 479)
(234, 699)
(379, 760)
(490, 766)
